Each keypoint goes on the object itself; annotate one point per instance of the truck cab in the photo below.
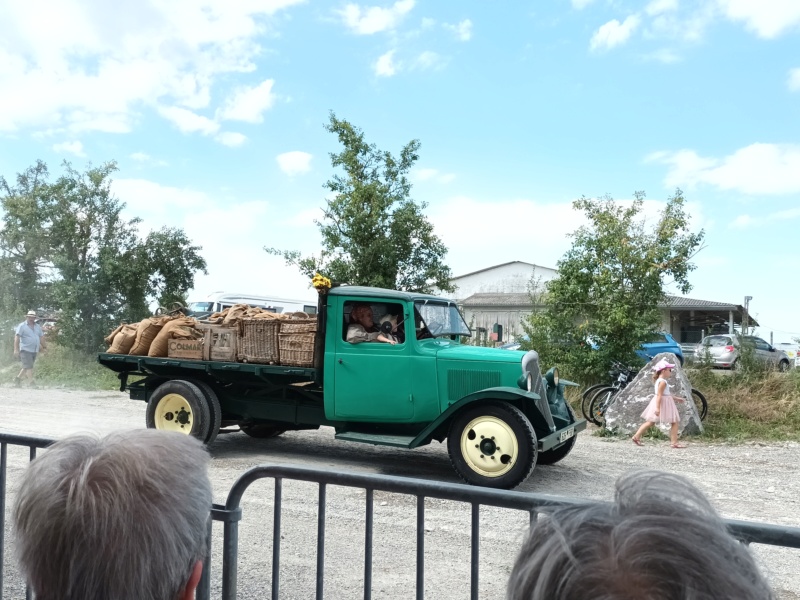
(498, 414)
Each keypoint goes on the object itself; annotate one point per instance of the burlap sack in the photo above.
(147, 331)
(109, 339)
(235, 314)
(159, 345)
(123, 340)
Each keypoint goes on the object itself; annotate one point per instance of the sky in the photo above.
(214, 112)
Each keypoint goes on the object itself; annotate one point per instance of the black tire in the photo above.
(180, 406)
(600, 403)
(485, 462)
(700, 403)
(783, 366)
(262, 430)
(551, 457)
(594, 414)
(586, 398)
(214, 410)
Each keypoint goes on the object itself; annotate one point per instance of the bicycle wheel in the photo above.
(586, 399)
(600, 403)
(700, 403)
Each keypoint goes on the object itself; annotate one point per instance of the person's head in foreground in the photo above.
(659, 540)
(122, 517)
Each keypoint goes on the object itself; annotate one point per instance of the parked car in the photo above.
(792, 351)
(723, 351)
(659, 342)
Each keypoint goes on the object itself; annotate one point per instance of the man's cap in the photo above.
(663, 364)
(31, 313)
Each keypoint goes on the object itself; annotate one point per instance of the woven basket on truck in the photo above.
(258, 341)
(296, 340)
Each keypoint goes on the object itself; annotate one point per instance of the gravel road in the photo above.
(752, 481)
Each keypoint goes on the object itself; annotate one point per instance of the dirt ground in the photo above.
(753, 481)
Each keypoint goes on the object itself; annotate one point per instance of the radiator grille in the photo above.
(461, 382)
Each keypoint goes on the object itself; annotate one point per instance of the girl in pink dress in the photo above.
(662, 408)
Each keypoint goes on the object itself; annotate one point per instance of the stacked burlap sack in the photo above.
(239, 312)
(151, 336)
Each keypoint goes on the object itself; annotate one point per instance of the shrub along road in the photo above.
(751, 481)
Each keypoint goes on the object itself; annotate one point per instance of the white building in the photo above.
(496, 299)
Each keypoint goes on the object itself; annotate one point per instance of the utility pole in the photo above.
(746, 318)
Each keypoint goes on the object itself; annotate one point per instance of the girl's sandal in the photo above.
(677, 446)
(637, 441)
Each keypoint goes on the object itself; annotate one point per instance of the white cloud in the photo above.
(187, 121)
(385, 65)
(249, 103)
(429, 60)
(231, 138)
(75, 148)
(83, 68)
(794, 80)
(294, 163)
(614, 33)
(781, 216)
(657, 7)
(581, 4)
(419, 175)
(140, 157)
(767, 18)
(462, 30)
(374, 19)
(664, 55)
(755, 169)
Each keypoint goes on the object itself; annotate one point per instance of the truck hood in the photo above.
(450, 351)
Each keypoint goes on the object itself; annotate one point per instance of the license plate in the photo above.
(565, 435)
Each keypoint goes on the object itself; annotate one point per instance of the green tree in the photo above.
(373, 233)
(611, 283)
(24, 242)
(89, 262)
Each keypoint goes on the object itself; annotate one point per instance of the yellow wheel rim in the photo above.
(174, 413)
(489, 446)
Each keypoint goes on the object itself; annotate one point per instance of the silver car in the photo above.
(722, 350)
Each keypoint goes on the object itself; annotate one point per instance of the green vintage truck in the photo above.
(499, 415)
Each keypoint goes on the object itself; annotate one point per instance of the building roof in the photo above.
(524, 300)
(512, 262)
(680, 302)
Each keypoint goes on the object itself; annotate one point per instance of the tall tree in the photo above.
(373, 232)
(24, 242)
(605, 301)
(89, 262)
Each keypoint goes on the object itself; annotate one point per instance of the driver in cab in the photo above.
(362, 327)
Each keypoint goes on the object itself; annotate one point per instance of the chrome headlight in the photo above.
(552, 377)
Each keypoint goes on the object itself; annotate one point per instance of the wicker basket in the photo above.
(258, 341)
(299, 325)
(297, 349)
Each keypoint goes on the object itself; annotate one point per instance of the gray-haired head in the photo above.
(122, 517)
(659, 540)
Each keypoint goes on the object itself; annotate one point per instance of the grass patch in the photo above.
(59, 367)
(750, 404)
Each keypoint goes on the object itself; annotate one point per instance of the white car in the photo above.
(792, 351)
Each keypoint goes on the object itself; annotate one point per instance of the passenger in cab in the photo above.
(362, 327)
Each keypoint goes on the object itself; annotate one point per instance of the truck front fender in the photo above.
(522, 399)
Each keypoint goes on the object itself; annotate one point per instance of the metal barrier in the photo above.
(230, 514)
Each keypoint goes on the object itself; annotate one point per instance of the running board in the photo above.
(397, 441)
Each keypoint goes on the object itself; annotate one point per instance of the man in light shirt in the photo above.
(28, 342)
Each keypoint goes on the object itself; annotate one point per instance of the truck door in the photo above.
(372, 379)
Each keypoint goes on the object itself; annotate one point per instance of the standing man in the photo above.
(28, 342)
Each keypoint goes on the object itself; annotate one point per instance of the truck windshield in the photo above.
(198, 307)
(439, 318)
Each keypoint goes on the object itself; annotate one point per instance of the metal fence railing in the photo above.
(476, 498)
